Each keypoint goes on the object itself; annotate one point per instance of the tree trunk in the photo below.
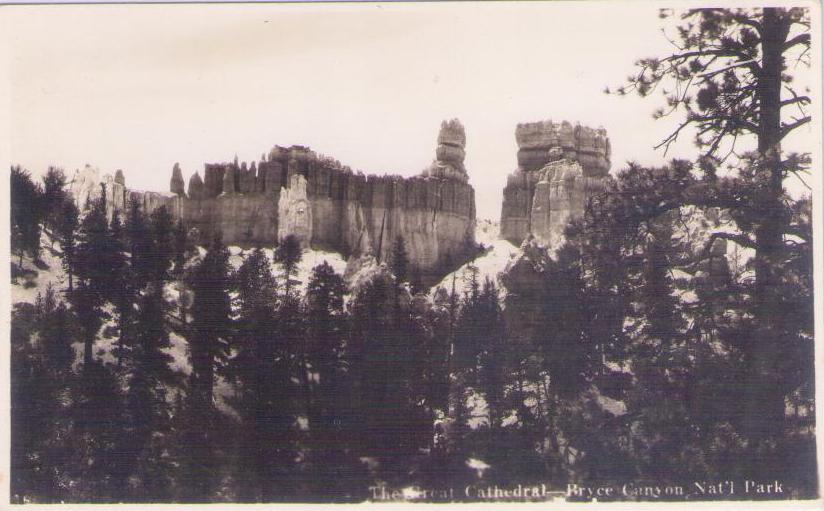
(88, 346)
(121, 323)
(765, 405)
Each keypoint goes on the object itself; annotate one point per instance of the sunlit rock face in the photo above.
(559, 166)
(295, 212)
(589, 147)
(293, 190)
(85, 185)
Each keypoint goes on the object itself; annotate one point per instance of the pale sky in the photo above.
(144, 86)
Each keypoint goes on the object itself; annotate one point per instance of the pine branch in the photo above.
(786, 129)
(803, 39)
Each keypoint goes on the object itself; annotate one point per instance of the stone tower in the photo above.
(176, 184)
(559, 166)
(450, 153)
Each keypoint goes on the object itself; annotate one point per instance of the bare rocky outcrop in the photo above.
(85, 185)
(176, 183)
(590, 147)
(295, 212)
(559, 166)
(213, 179)
(196, 190)
(294, 190)
(229, 187)
(450, 153)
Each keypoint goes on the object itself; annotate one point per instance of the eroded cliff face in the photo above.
(559, 166)
(327, 205)
(590, 147)
(85, 185)
(295, 212)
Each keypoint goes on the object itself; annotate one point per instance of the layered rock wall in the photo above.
(559, 166)
(589, 147)
(325, 204)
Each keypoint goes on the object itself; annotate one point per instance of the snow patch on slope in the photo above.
(26, 288)
(491, 263)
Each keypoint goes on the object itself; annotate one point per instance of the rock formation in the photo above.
(176, 183)
(196, 187)
(589, 147)
(229, 182)
(559, 166)
(450, 153)
(293, 190)
(85, 185)
(295, 212)
(213, 179)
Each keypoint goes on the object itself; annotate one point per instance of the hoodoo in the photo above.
(559, 166)
(450, 153)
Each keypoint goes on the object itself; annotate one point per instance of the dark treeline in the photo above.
(641, 351)
(591, 369)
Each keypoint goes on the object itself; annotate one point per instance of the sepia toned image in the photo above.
(445, 252)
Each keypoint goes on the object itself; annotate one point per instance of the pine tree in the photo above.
(41, 371)
(493, 366)
(562, 340)
(547, 361)
(94, 276)
(289, 254)
(400, 260)
(387, 359)
(326, 335)
(445, 411)
(122, 294)
(26, 214)
(453, 382)
(439, 319)
(139, 244)
(181, 248)
(67, 235)
(261, 370)
(54, 196)
(97, 418)
(147, 427)
(94, 258)
(209, 336)
(256, 284)
(162, 246)
(211, 320)
(375, 368)
(325, 310)
(55, 332)
(730, 78)
(662, 364)
(469, 325)
(87, 306)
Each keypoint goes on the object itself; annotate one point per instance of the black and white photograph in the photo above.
(420, 252)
